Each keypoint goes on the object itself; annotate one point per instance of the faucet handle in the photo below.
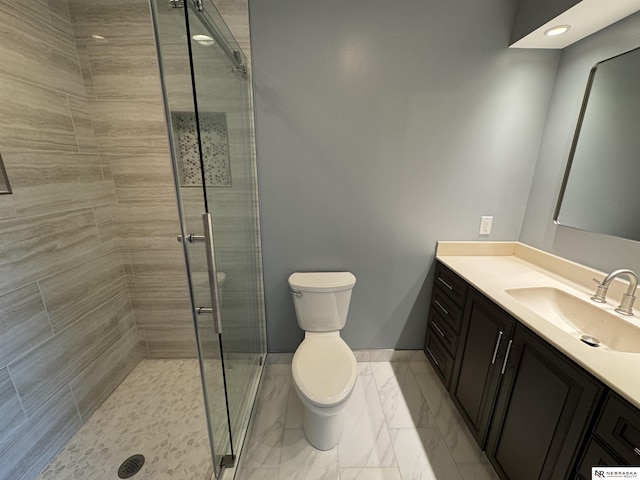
(601, 292)
(626, 305)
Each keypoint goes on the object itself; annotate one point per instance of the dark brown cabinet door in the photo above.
(485, 334)
(542, 414)
(596, 455)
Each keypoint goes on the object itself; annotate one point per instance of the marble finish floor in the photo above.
(401, 425)
(158, 411)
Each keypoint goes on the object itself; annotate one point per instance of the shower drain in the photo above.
(131, 466)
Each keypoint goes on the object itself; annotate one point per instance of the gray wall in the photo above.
(600, 251)
(382, 128)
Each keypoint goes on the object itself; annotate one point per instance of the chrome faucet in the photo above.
(626, 305)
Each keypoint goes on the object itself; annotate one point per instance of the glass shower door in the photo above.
(208, 102)
(223, 98)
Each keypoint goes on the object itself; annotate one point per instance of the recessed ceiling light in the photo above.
(558, 30)
(203, 39)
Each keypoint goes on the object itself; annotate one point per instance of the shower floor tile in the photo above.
(157, 411)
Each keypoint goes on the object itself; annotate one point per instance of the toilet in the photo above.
(324, 367)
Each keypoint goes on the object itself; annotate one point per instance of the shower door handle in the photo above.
(207, 225)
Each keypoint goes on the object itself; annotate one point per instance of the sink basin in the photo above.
(580, 317)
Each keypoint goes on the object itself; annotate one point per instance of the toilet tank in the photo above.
(321, 299)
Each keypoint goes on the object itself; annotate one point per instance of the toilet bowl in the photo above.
(324, 367)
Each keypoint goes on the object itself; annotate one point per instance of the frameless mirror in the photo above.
(601, 187)
(5, 188)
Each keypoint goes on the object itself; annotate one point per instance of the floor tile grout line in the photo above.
(386, 423)
(442, 434)
(284, 424)
(461, 425)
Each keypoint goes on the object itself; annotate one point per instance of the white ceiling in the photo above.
(585, 18)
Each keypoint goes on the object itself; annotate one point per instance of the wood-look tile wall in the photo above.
(67, 329)
(117, 55)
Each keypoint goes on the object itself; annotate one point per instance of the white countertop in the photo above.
(493, 267)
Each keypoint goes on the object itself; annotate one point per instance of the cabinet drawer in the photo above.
(441, 329)
(596, 455)
(452, 284)
(450, 313)
(619, 427)
(441, 360)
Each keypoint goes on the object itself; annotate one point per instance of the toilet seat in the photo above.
(324, 370)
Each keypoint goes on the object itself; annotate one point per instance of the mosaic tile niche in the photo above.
(215, 141)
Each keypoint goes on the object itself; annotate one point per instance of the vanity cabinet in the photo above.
(615, 439)
(543, 411)
(529, 406)
(444, 321)
(484, 340)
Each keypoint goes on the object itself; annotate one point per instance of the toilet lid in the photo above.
(324, 370)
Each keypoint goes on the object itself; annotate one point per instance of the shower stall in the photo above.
(132, 329)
